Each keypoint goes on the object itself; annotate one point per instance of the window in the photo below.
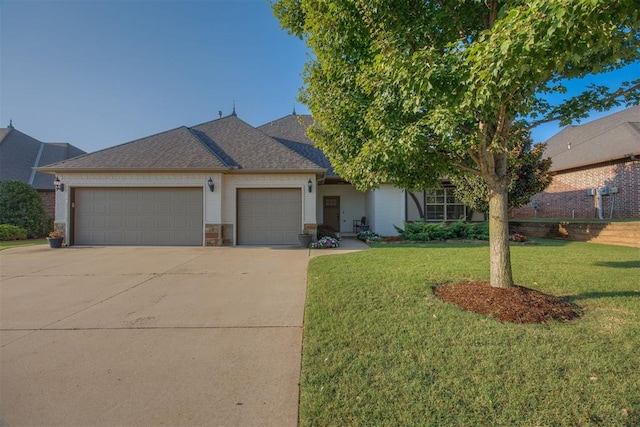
(438, 204)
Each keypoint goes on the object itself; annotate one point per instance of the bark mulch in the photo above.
(516, 304)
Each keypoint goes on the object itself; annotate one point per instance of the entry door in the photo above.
(331, 211)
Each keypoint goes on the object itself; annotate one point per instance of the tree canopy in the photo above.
(406, 92)
(529, 175)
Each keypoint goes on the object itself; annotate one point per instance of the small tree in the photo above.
(529, 175)
(21, 205)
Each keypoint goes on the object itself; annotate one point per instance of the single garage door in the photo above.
(138, 216)
(269, 216)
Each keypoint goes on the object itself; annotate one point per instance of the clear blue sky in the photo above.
(101, 73)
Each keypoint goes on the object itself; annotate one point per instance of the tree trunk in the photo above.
(500, 257)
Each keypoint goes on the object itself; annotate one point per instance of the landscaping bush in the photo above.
(20, 205)
(459, 230)
(325, 243)
(325, 230)
(12, 232)
(369, 236)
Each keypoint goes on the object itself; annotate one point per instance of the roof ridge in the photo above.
(213, 148)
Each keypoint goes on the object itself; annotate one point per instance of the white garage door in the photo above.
(269, 216)
(138, 216)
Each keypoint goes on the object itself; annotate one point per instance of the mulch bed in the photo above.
(516, 304)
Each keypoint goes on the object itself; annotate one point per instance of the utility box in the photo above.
(613, 190)
(591, 192)
(603, 191)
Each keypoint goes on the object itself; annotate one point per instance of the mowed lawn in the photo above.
(380, 350)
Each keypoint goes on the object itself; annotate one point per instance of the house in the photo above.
(596, 171)
(20, 154)
(223, 182)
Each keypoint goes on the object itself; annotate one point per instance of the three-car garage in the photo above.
(148, 216)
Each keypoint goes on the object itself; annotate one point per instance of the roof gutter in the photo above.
(631, 156)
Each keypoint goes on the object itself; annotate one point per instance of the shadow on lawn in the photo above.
(595, 295)
(618, 264)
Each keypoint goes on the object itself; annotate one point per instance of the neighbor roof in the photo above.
(291, 131)
(613, 137)
(222, 144)
(20, 153)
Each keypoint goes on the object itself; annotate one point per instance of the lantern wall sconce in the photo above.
(210, 184)
(59, 185)
(310, 185)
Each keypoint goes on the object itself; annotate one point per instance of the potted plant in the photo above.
(55, 239)
(305, 238)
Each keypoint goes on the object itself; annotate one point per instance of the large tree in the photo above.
(408, 91)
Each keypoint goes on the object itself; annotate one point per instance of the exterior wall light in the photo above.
(59, 185)
(210, 184)
(310, 185)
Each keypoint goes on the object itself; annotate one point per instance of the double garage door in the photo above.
(138, 216)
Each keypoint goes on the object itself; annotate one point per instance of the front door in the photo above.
(331, 211)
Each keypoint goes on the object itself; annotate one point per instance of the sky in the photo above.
(99, 73)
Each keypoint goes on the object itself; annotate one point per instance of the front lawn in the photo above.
(381, 350)
(14, 243)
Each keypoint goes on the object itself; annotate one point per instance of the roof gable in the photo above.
(175, 149)
(20, 153)
(611, 137)
(250, 148)
(291, 131)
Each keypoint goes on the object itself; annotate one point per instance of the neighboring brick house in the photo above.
(596, 169)
(20, 153)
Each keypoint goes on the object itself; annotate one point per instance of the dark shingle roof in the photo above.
(20, 153)
(225, 143)
(609, 138)
(175, 149)
(291, 131)
(250, 148)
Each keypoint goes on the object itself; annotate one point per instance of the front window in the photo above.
(438, 204)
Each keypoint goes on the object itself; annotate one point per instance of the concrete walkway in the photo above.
(98, 336)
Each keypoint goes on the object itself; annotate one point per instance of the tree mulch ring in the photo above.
(516, 304)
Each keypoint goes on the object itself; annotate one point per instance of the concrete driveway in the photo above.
(151, 336)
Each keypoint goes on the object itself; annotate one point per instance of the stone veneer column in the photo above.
(218, 234)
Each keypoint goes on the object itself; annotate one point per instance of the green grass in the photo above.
(380, 350)
(14, 243)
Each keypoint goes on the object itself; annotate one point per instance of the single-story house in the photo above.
(224, 182)
(596, 171)
(21, 153)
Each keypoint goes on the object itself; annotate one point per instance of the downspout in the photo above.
(600, 205)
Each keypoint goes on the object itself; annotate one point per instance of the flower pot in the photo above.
(55, 242)
(305, 240)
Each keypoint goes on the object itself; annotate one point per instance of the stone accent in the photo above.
(218, 234)
(311, 229)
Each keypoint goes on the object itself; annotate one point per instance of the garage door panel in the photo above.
(269, 216)
(138, 216)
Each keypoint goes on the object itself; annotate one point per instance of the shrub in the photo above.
(325, 230)
(325, 243)
(369, 236)
(20, 205)
(12, 232)
(426, 231)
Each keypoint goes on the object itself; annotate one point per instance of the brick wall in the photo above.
(566, 197)
(49, 200)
